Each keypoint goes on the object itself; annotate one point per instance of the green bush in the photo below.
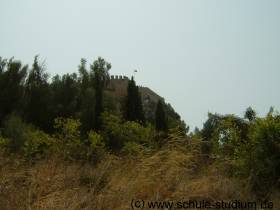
(25, 139)
(68, 138)
(3, 142)
(96, 149)
(227, 139)
(13, 131)
(117, 133)
(229, 144)
(232, 136)
(265, 158)
(206, 148)
(132, 149)
(134, 132)
(112, 131)
(36, 144)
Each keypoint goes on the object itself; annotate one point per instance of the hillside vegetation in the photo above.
(70, 143)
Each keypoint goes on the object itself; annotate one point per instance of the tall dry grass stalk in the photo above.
(172, 173)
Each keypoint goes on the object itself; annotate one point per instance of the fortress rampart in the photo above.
(118, 84)
(118, 77)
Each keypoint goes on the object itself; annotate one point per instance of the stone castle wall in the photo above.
(118, 84)
(118, 77)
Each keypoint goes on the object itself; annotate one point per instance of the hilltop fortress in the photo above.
(118, 86)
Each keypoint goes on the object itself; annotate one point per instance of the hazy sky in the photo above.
(200, 55)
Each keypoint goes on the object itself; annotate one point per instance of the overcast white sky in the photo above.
(200, 55)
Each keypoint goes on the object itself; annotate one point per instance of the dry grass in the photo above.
(169, 174)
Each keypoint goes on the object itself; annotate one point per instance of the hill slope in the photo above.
(168, 174)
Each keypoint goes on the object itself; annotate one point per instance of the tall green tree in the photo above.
(86, 99)
(210, 125)
(250, 114)
(12, 78)
(87, 112)
(264, 159)
(65, 92)
(84, 76)
(160, 118)
(38, 97)
(100, 76)
(133, 110)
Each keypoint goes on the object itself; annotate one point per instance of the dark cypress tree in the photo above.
(84, 78)
(160, 117)
(100, 76)
(139, 107)
(65, 92)
(12, 77)
(129, 110)
(38, 97)
(86, 99)
(133, 110)
(87, 112)
(98, 87)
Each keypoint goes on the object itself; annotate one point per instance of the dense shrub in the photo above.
(227, 138)
(96, 148)
(132, 149)
(251, 149)
(68, 138)
(265, 160)
(13, 131)
(112, 131)
(3, 142)
(206, 148)
(36, 144)
(117, 134)
(24, 138)
(134, 132)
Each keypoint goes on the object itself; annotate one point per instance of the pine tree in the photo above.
(160, 118)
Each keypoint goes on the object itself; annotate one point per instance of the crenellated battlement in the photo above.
(118, 84)
(118, 77)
